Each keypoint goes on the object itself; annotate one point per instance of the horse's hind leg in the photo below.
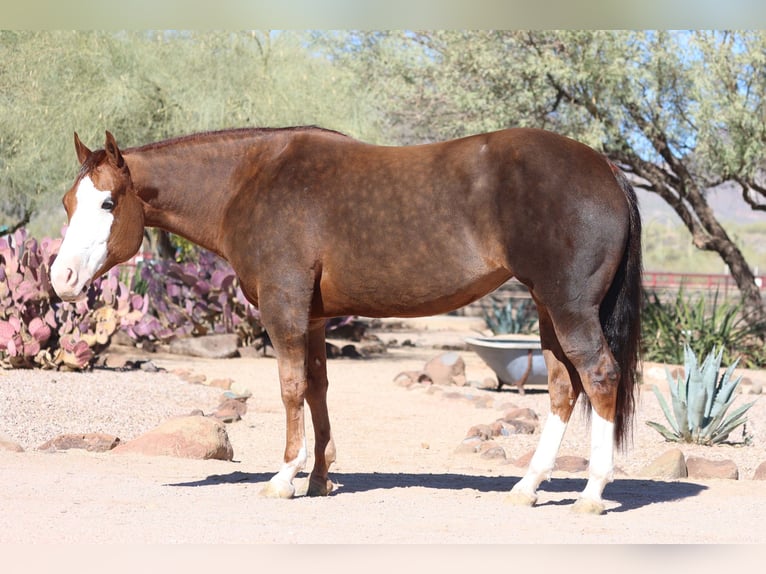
(316, 396)
(582, 340)
(563, 387)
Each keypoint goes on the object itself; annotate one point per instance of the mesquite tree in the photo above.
(680, 112)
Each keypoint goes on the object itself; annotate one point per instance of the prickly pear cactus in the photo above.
(37, 329)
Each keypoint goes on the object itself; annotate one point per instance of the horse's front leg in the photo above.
(316, 397)
(291, 344)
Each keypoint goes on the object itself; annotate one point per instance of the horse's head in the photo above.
(106, 220)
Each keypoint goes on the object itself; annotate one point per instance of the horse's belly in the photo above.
(394, 295)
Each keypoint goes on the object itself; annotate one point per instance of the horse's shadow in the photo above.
(629, 493)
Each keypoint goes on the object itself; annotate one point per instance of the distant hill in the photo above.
(726, 201)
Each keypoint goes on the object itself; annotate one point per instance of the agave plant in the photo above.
(700, 400)
(511, 318)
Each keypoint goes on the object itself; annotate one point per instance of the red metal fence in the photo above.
(722, 283)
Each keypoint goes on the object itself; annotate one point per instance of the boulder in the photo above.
(669, 465)
(218, 346)
(701, 468)
(92, 442)
(760, 472)
(446, 369)
(184, 437)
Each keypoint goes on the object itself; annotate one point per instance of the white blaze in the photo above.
(84, 248)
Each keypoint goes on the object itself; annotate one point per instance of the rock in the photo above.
(353, 330)
(224, 384)
(756, 388)
(10, 446)
(484, 432)
(226, 415)
(148, 367)
(350, 352)
(568, 463)
(230, 410)
(669, 465)
(520, 414)
(760, 472)
(237, 393)
(700, 468)
(470, 445)
(332, 351)
(524, 460)
(487, 384)
(183, 437)
(219, 346)
(517, 426)
(407, 378)
(373, 348)
(446, 369)
(491, 450)
(92, 442)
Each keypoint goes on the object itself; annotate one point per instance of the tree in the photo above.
(146, 86)
(680, 112)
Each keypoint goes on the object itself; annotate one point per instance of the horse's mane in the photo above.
(233, 133)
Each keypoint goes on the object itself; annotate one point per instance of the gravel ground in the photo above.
(36, 406)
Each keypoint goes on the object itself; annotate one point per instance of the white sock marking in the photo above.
(544, 459)
(601, 457)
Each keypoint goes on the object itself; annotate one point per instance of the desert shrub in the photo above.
(667, 326)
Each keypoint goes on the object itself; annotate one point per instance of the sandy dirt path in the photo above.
(399, 477)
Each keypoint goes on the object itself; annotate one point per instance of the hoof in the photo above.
(518, 498)
(588, 506)
(278, 489)
(320, 487)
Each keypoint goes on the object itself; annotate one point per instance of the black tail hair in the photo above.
(620, 315)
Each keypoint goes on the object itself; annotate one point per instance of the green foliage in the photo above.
(146, 86)
(700, 401)
(668, 326)
(516, 316)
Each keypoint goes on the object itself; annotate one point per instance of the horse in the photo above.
(317, 224)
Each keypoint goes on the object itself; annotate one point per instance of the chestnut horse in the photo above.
(317, 225)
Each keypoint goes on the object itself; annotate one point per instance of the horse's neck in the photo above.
(184, 190)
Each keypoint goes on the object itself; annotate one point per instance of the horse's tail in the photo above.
(621, 315)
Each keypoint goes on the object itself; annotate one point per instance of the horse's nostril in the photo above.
(71, 276)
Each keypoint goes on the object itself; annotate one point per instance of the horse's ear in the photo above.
(113, 152)
(82, 151)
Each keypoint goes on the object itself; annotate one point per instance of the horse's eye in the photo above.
(108, 205)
